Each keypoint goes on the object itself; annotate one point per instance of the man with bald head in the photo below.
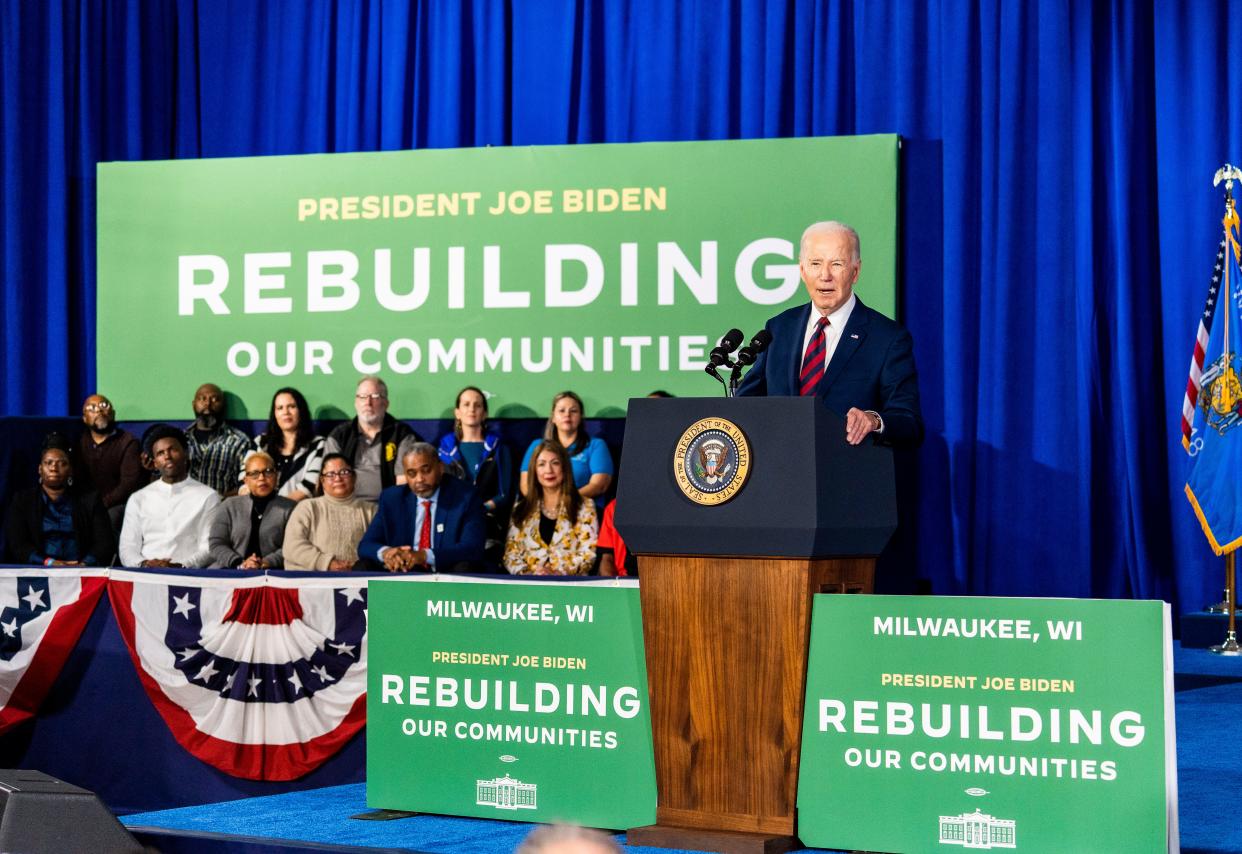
(859, 362)
(217, 450)
(111, 458)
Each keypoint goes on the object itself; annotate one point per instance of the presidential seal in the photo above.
(711, 461)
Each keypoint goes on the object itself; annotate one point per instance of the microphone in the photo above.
(720, 355)
(748, 354)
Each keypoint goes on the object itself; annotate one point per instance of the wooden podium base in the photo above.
(724, 841)
(726, 642)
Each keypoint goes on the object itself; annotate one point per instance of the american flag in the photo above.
(1201, 346)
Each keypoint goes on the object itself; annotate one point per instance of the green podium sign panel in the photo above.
(524, 701)
(945, 724)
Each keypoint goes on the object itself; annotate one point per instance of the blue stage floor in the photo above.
(1209, 761)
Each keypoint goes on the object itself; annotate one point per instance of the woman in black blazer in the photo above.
(52, 525)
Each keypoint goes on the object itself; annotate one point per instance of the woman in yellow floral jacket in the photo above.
(553, 530)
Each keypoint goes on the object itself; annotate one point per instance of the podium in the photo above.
(726, 598)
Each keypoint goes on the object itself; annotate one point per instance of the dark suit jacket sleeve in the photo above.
(465, 529)
(899, 394)
(385, 528)
(755, 383)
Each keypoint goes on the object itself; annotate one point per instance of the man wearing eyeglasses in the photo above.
(111, 458)
(373, 441)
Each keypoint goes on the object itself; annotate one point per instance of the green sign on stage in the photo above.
(524, 271)
(522, 700)
(947, 724)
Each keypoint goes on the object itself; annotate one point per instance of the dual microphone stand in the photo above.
(720, 357)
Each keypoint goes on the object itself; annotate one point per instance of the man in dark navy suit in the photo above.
(431, 522)
(856, 359)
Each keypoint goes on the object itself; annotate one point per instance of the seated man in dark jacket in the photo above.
(433, 522)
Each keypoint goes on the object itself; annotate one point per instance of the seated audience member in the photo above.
(53, 525)
(216, 449)
(166, 522)
(432, 522)
(477, 456)
(373, 442)
(109, 459)
(323, 532)
(553, 527)
(591, 462)
(296, 451)
(248, 531)
(614, 558)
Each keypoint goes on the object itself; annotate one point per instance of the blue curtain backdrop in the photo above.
(1060, 224)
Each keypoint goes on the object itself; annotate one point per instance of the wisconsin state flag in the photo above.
(1214, 478)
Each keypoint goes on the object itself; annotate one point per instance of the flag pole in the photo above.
(1228, 173)
(1230, 645)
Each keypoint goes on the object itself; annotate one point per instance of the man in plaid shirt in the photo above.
(217, 451)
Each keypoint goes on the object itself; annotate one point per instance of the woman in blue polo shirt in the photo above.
(589, 458)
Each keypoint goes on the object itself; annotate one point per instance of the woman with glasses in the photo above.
(297, 453)
(247, 531)
(51, 524)
(323, 532)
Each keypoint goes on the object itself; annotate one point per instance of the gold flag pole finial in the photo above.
(1228, 174)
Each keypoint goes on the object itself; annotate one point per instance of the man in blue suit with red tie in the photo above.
(431, 522)
(858, 361)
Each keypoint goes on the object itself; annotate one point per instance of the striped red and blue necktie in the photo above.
(813, 361)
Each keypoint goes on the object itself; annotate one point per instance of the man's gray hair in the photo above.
(420, 448)
(829, 226)
(374, 379)
(563, 836)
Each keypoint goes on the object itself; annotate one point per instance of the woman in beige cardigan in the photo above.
(553, 530)
(323, 533)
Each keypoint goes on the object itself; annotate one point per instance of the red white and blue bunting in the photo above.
(260, 676)
(42, 615)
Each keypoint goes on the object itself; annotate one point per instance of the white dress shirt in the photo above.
(168, 521)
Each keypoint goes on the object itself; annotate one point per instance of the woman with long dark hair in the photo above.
(476, 455)
(291, 441)
(553, 528)
(589, 460)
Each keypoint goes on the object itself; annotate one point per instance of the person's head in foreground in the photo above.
(567, 839)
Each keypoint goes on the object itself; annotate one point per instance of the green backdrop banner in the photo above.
(610, 269)
(952, 723)
(514, 700)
